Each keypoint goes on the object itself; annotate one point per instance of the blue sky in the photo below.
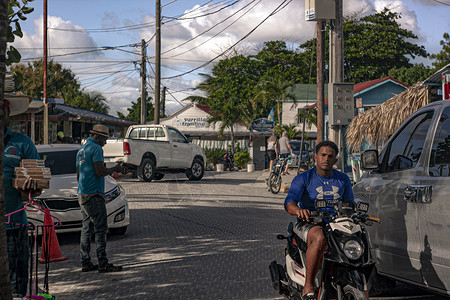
(85, 27)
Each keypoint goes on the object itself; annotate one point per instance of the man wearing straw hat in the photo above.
(17, 147)
(91, 188)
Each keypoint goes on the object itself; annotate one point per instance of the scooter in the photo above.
(347, 263)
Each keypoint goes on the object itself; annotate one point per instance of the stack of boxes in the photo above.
(34, 169)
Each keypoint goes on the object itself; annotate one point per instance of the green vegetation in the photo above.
(241, 158)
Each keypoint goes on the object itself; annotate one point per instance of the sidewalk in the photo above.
(285, 179)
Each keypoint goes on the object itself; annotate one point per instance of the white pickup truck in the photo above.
(154, 150)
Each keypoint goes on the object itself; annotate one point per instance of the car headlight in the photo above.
(113, 194)
(353, 249)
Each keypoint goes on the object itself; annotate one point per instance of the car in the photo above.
(307, 155)
(407, 185)
(62, 200)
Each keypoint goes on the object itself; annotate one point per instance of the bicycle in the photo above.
(274, 181)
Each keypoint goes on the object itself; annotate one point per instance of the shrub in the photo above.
(214, 156)
(242, 158)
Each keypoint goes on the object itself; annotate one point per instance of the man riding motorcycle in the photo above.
(321, 182)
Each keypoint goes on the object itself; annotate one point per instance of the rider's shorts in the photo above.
(302, 228)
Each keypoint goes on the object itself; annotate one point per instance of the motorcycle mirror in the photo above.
(281, 237)
(362, 207)
(320, 204)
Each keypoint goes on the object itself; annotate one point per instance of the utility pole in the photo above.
(320, 80)
(157, 60)
(45, 75)
(143, 85)
(163, 102)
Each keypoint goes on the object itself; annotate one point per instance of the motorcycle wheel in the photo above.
(274, 183)
(351, 293)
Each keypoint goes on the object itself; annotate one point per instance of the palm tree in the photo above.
(275, 90)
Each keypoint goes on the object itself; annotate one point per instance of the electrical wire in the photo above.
(212, 27)
(276, 10)
(204, 42)
(207, 14)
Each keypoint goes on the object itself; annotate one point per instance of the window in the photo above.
(53, 161)
(440, 151)
(404, 151)
(159, 132)
(151, 133)
(177, 136)
(134, 133)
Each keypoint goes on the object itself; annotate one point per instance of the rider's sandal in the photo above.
(309, 296)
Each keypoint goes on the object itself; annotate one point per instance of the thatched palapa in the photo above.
(377, 124)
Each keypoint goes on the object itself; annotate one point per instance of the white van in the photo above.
(408, 187)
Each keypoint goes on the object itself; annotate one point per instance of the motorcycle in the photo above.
(228, 160)
(347, 263)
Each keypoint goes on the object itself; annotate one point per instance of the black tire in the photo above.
(146, 170)
(158, 176)
(274, 183)
(118, 231)
(196, 171)
(351, 293)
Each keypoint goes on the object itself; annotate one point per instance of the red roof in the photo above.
(205, 108)
(365, 85)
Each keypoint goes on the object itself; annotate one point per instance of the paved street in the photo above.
(214, 238)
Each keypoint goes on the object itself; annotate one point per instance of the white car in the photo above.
(61, 198)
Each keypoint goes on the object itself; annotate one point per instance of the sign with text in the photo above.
(262, 125)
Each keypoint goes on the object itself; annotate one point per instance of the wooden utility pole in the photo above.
(157, 61)
(45, 75)
(163, 102)
(143, 84)
(320, 51)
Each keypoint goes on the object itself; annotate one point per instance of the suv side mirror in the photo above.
(369, 160)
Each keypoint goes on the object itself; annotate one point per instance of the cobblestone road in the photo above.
(211, 239)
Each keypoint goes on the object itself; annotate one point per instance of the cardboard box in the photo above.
(41, 183)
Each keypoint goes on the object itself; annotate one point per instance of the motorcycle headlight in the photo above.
(353, 249)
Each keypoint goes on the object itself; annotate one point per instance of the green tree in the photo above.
(373, 45)
(134, 112)
(90, 101)
(274, 91)
(290, 129)
(411, 75)
(16, 13)
(442, 58)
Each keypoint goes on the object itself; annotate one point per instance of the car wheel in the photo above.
(118, 231)
(146, 170)
(196, 171)
(158, 176)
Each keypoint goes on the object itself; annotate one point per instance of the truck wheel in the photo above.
(158, 176)
(196, 171)
(146, 170)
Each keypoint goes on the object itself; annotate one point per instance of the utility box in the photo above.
(320, 10)
(341, 104)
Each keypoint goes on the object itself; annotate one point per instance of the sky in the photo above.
(100, 40)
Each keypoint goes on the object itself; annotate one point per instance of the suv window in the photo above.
(440, 151)
(177, 136)
(404, 151)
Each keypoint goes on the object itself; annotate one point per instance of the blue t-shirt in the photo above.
(88, 181)
(18, 147)
(309, 186)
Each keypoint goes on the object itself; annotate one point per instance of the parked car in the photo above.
(61, 198)
(408, 186)
(307, 154)
(154, 150)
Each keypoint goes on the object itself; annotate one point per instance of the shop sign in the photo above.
(262, 125)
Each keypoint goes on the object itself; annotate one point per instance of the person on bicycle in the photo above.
(321, 182)
(285, 150)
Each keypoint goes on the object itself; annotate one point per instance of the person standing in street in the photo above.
(285, 150)
(91, 188)
(272, 151)
(17, 147)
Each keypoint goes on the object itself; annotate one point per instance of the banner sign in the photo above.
(262, 125)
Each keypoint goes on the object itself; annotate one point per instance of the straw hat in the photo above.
(17, 103)
(100, 130)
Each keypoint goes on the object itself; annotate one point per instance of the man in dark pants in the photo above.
(17, 147)
(91, 188)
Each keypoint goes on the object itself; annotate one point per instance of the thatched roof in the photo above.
(377, 124)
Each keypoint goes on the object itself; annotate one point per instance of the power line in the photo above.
(204, 42)
(209, 29)
(231, 47)
(441, 2)
(207, 14)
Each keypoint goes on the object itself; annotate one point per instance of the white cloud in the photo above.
(408, 18)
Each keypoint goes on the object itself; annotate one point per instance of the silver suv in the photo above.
(408, 187)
